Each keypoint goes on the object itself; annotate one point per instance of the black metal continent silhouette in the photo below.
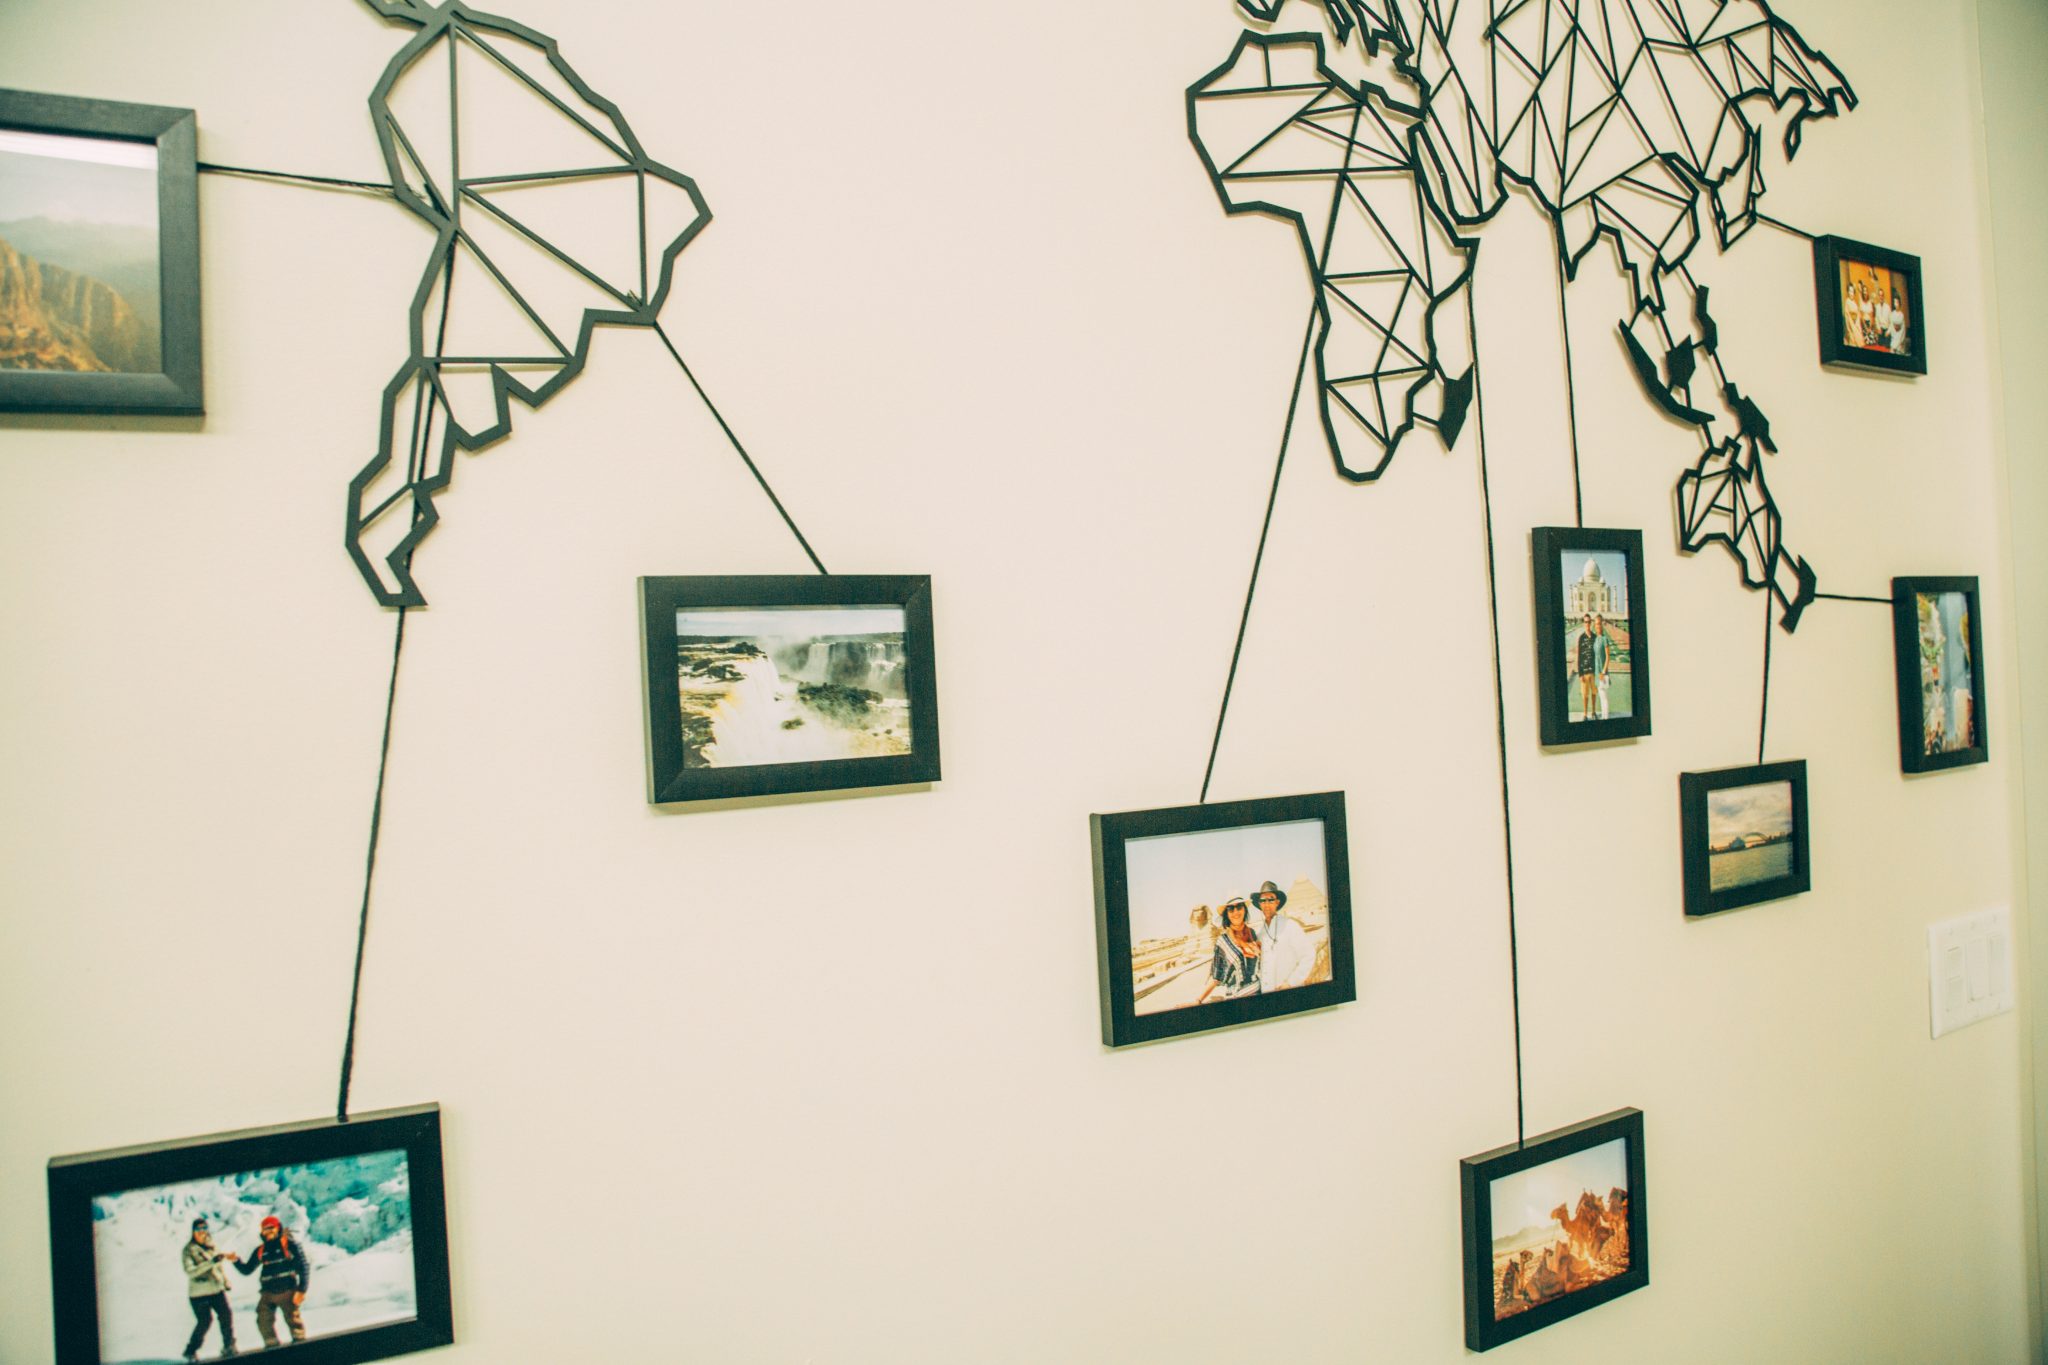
(519, 147)
(1621, 119)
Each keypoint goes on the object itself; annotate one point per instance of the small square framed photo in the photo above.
(1869, 305)
(99, 243)
(1221, 914)
(1744, 835)
(1592, 635)
(329, 1239)
(1938, 646)
(1553, 1226)
(762, 686)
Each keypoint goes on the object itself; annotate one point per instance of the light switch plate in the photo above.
(1969, 969)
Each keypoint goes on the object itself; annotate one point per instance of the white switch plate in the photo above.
(1969, 969)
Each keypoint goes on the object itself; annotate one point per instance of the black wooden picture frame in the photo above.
(1907, 651)
(1830, 254)
(76, 1181)
(671, 777)
(1695, 824)
(1477, 1176)
(177, 388)
(1554, 665)
(1122, 1023)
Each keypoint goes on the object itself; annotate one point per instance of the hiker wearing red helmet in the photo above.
(285, 1278)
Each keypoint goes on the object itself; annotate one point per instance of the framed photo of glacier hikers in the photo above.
(99, 256)
(763, 686)
(1221, 914)
(327, 1240)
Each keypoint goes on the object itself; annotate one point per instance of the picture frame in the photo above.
(1593, 1255)
(1938, 653)
(118, 318)
(766, 685)
(1609, 587)
(367, 1190)
(1859, 292)
(1744, 836)
(1159, 957)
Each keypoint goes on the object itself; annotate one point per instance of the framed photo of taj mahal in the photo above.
(1592, 635)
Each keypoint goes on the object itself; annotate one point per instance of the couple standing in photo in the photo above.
(1256, 953)
(1589, 665)
(282, 1289)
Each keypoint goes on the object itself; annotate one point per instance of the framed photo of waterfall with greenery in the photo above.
(99, 256)
(329, 1239)
(764, 686)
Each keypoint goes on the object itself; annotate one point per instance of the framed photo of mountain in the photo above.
(764, 686)
(1592, 634)
(327, 1238)
(1220, 914)
(99, 256)
(1553, 1226)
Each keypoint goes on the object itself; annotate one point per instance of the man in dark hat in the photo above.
(1286, 957)
(285, 1279)
(207, 1283)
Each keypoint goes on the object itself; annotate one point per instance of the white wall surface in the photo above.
(819, 1080)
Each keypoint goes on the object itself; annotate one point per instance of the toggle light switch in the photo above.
(1969, 970)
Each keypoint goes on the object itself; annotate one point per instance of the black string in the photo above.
(1571, 395)
(355, 992)
(751, 466)
(1846, 597)
(1500, 717)
(374, 187)
(1785, 227)
(1265, 527)
(1764, 720)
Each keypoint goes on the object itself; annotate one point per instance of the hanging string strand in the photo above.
(1259, 557)
(355, 992)
(322, 181)
(1763, 723)
(1847, 597)
(1785, 227)
(1571, 395)
(752, 468)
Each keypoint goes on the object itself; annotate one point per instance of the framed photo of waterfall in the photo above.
(766, 686)
(99, 256)
(328, 1238)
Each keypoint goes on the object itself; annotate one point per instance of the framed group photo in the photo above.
(99, 256)
(1553, 1227)
(1868, 301)
(1220, 914)
(1744, 835)
(1592, 635)
(767, 685)
(327, 1241)
(1938, 648)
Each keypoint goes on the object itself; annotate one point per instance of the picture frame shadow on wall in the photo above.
(1938, 651)
(1526, 1269)
(1212, 915)
(99, 257)
(1869, 306)
(1744, 835)
(159, 1245)
(768, 685)
(1592, 627)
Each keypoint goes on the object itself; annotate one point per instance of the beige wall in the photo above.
(820, 1080)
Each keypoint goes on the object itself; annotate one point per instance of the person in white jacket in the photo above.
(206, 1281)
(1285, 957)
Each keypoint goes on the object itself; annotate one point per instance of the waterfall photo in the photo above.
(759, 686)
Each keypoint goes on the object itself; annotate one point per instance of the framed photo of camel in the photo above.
(99, 256)
(328, 1238)
(1592, 634)
(1553, 1226)
(1221, 914)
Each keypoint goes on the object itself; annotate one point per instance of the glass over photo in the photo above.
(1596, 635)
(1875, 308)
(1559, 1227)
(79, 276)
(761, 685)
(1947, 677)
(1224, 913)
(207, 1269)
(1750, 838)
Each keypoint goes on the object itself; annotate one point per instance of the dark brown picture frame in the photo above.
(1913, 755)
(1694, 789)
(178, 388)
(1553, 711)
(1829, 253)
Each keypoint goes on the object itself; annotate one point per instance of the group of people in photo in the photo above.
(1874, 319)
(277, 1258)
(1257, 952)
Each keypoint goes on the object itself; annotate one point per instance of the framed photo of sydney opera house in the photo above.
(1592, 634)
(1744, 837)
(99, 256)
(1220, 914)
(763, 686)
